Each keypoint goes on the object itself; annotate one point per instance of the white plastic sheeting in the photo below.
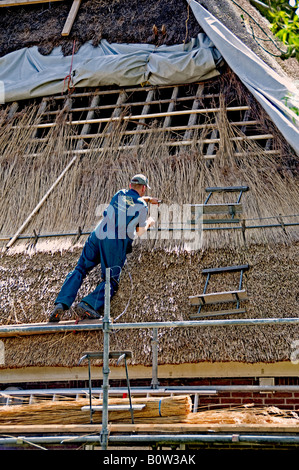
(28, 74)
(277, 94)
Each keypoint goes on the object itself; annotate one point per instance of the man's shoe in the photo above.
(84, 311)
(57, 313)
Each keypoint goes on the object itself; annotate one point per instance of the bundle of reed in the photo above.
(247, 414)
(69, 412)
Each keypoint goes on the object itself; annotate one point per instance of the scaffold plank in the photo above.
(157, 428)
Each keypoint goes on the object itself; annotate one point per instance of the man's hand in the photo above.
(151, 200)
(154, 200)
(150, 222)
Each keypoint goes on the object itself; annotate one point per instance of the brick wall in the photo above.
(283, 400)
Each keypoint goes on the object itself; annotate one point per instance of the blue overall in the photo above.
(108, 245)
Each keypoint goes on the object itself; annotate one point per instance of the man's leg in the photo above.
(113, 257)
(90, 257)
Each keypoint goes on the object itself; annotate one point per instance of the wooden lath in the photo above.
(69, 21)
(185, 114)
(79, 145)
(144, 116)
(71, 18)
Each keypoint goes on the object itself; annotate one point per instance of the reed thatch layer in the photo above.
(180, 176)
(172, 409)
(163, 274)
(157, 289)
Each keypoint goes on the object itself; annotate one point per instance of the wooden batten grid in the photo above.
(186, 116)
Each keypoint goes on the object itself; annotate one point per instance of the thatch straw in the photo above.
(69, 412)
(247, 414)
(30, 284)
(30, 167)
(158, 410)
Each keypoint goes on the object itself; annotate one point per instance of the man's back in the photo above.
(126, 211)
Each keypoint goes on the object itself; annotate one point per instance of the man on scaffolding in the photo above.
(108, 245)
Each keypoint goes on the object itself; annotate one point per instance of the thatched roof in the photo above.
(114, 20)
(166, 274)
(220, 153)
(158, 290)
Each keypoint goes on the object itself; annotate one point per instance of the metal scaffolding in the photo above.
(107, 326)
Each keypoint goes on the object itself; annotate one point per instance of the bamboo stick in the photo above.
(41, 202)
(171, 101)
(138, 116)
(174, 411)
(155, 130)
(116, 91)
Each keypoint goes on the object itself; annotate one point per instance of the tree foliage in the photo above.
(284, 18)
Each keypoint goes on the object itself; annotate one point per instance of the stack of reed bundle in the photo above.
(165, 409)
(247, 414)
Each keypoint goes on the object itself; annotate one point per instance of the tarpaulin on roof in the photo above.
(28, 74)
(277, 94)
